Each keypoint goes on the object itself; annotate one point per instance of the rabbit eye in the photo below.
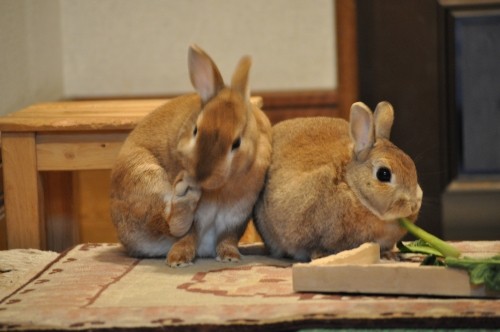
(195, 130)
(384, 174)
(236, 144)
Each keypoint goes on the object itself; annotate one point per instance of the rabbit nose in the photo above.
(418, 201)
(420, 193)
(415, 206)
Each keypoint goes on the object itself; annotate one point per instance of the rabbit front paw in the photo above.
(182, 253)
(180, 207)
(186, 189)
(228, 253)
(184, 184)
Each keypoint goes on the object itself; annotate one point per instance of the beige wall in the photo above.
(56, 49)
(117, 47)
(30, 53)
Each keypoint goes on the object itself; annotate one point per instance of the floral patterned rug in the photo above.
(97, 287)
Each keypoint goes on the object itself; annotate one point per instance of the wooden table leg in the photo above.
(23, 193)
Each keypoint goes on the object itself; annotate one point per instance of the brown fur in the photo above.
(178, 178)
(320, 178)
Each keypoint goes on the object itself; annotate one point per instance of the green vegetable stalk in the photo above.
(446, 249)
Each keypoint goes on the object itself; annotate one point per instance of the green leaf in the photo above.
(478, 273)
(446, 249)
(481, 270)
(492, 280)
(418, 247)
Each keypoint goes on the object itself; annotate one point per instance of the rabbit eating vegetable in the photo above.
(187, 177)
(334, 185)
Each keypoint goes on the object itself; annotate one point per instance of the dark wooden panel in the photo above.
(284, 105)
(347, 55)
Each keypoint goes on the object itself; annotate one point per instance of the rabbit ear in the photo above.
(362, 131)
(204, 74)
(384, 118)
(239, 81)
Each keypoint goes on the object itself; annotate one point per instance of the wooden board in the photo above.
(92, 115)
(19, 173)
(362, 271)
(74, 151)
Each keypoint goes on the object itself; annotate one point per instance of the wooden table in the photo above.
(60, 136)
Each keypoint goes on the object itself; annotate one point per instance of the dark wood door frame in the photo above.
(347, 55)
(400, 51)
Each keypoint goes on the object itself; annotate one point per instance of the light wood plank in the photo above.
(78, 151)
(80, 115)
(367, 253)
(396, 278)
(23, 199)
(84, 115)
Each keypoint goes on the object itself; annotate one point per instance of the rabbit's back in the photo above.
(304, 144)
(308, 161)
(159, 131)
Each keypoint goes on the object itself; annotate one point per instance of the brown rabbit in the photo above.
(188, 175)
(333, 185)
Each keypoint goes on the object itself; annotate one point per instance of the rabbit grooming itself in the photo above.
(333, 185)
(187, 177)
